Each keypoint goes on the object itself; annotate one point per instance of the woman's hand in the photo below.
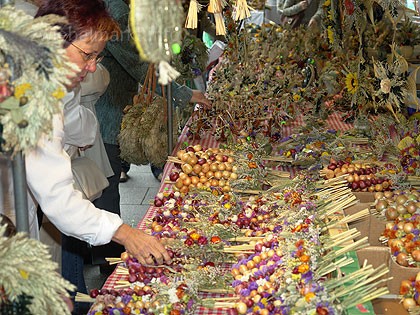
(199, 98)
(146, 248)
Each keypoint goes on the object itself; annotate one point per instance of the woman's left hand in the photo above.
(199, 98)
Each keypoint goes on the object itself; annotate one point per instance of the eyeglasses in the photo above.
(89, 57)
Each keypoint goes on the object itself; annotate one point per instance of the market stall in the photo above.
(300, 121)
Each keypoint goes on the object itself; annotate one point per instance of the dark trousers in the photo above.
(110, 201)
(72, 269)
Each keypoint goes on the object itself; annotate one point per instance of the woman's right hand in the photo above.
(146, 248)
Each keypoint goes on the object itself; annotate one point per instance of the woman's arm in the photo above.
(290, 7)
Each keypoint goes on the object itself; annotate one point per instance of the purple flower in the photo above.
(190, 304)
(244, 292)
(307, 276)
(258, 273)
(126, 298)
(253, 286)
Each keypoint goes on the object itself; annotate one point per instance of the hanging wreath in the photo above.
(156, 27)
(33, 69)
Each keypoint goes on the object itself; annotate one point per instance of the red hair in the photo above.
(85, 17)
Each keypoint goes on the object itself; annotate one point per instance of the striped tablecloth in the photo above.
(334, 122)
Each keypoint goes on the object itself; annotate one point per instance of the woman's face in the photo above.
(84, 52)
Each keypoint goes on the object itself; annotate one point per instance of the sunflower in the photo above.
(351, 82)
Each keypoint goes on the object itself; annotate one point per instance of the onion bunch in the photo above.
(204, 169)
(360, 176)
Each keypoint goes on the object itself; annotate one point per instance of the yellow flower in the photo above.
(20, 89)
(329, 15)
(296, 97)
(58, 93)
(303, 268)
(24, 274)
(195, 236)
(227, 206)
(351, 82)
(330, 34)
(327, 3)
(296, 276)
(309, 296)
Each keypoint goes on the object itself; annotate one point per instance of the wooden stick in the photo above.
(82, 297)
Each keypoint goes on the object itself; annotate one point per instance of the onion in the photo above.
(187, 181)
(388, 194)
(187, 168)
(195, 180)
(197, 147)
(378, 187)
(192, 160)
(180, 153)
(184, 189)
(416, 254)
(409, 303)
(408, 227)
(402, 259)
(401, 199)
(350, 178)
(389, 225)
(213, 167)
(218, 174)
(185, 157)
(329, 174)
(197, 169)
(405, 286)
(411, 207)
(381, 205)
(400, 225)
(391, 213)
(226, 174)
(221, 166)
(401, 209)
(205, 167)
(179, 183)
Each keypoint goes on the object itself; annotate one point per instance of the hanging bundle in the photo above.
(156, 28)
(143, 137)
(241, 10)
(216, 7)
(192, 17)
